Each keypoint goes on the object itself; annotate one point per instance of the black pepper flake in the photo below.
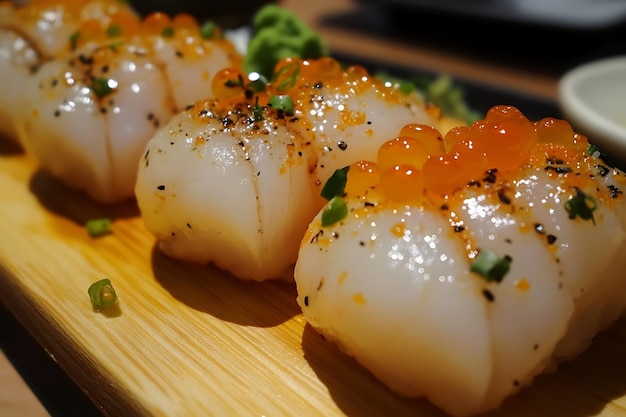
(503, 198)
(188, 225)
(368, 204)
(474, 183)
(489, 295)
(516, 383)
(459, 228)
(150, 116)
(179, 54)
(318, 85)
(551, 239)
(173, 234)
(614, 191)
(554, 161)
(342, 145)
(55, 82)
(361, 243)
(317, 236)
(559, 170)
(306, 300)
(445, 207)
(540, 228)
(536, 346)
(86, 60)
(369, 122)
(203, 112)
(57, 113)
(161, 187)
(491, 176)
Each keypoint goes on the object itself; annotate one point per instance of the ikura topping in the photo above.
(422, 163)
(125, 25)
(294, 83)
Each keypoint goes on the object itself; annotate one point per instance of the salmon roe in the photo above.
(420, 161)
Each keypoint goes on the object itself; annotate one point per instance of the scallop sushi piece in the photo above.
(460, 271)
(35, 33)
(236, 179)
(87, 116)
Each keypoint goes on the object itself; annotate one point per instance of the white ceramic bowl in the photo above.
(592, 98)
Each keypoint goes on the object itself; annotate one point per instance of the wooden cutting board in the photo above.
(189, 340)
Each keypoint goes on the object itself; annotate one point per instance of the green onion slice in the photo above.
(114, 31)
(102, 87)
(336, 184)
(98, 227)
(281, 102)
(257, 82)
(581, 205)
(167, 32)
(591, 149)
(208, 30)
(490, 266)
(257, 111)
(74, 40)
(335, 211)
(234, 82)
(292, 71)
(102, 294)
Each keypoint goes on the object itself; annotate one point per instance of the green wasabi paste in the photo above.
(278, 34)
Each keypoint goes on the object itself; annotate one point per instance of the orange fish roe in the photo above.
(363, 177)
(299, 78)
(125, 24)
(420, 163)
(427, 135)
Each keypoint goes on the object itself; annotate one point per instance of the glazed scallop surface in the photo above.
(235, 181)
(87, 82)
(395, 285)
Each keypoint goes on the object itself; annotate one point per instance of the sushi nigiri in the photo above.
(235, 180)
(458, 270)
(86, 116)
(35, 33)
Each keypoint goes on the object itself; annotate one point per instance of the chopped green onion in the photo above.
(208, 30)
(257, 111)
(336, 184)
(98, 227)
(490, 266)
(102, 87)
(102, 294)
(167, 32)
(234, 82)
(336, 210)
(581, 205)
(282, 102)
(290, 81)
(114, 31)
(591, 149)
(74, 40)
(257, 83)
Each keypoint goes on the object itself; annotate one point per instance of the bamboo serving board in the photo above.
(190, 340)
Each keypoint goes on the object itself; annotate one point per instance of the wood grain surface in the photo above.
(190, 340)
